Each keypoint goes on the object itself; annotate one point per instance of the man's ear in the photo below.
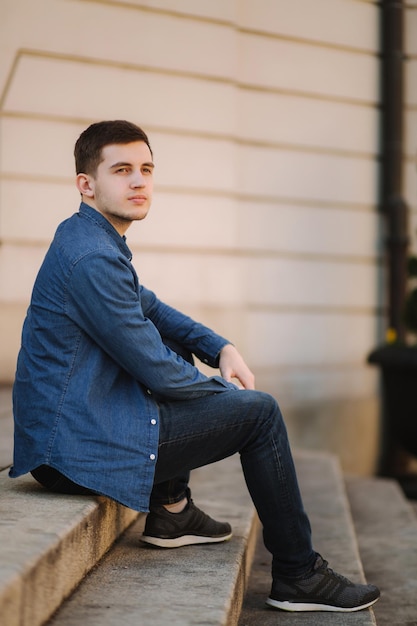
(85, 185)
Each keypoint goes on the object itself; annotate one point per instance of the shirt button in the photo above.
(153, 422)
(152, 457)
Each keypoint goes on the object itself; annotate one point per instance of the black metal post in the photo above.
(392, 202)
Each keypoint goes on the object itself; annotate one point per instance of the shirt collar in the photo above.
(95, 216)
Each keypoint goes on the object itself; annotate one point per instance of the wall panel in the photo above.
(157, 99)
(124, 35)
(298, 338)
(307, 230)
(32, 210)
(37, 147)
(267, 172)
(298, 67)
(273, 284)
(307, 123)
(329, 22)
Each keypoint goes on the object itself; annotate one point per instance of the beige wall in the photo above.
(264, 124)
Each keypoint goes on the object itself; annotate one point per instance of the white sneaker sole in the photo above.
(185, 540)
(306, 606)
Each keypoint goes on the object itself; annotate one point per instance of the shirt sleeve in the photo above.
(172, 324)
(104, 299)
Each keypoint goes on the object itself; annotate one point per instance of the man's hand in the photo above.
(232, 365)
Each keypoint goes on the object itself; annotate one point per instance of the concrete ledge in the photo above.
(386, 528)
(137, 584)
(48, 543)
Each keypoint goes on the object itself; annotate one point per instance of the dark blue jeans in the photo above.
(194, 433)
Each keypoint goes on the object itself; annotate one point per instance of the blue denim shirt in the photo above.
(92, 365)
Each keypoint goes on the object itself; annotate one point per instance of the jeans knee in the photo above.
(267, 407)
(267, 420)
(268, 402)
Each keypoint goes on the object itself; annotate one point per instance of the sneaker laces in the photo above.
(321, 565)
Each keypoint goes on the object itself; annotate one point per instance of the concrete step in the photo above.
(47, 545)
(49, 542)
(204, 584)
(138, 584)
(386, 528)
(325, 499)
(47, 551)
(6, 427)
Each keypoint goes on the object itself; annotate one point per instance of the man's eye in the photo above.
(147, 170)
(122, 170)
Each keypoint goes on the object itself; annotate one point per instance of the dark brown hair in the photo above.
(90, 143)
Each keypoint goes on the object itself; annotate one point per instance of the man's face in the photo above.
(121, 189)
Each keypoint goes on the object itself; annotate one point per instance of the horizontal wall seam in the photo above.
(258, 253)
(309, 42)
(59, 56)
(307, 95)
(167, 12)
(306, 309)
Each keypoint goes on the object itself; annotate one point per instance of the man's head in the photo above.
(115, 171)
(89, 146)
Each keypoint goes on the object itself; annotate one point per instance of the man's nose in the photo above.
(137, 180)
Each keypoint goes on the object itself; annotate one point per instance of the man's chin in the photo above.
(140, 216)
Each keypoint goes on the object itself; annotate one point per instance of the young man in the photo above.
(103, 405)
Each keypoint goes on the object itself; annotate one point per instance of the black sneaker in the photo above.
(191, 526)
(324, 590)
